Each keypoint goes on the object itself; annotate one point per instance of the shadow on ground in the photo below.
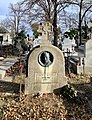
(77, 100)
(10, 87)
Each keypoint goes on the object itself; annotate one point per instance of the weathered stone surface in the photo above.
(42, 76)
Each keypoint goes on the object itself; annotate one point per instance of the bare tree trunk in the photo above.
(80, 22)
(55, 23)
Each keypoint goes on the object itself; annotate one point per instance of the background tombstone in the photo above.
(86, 59)
(46, 70)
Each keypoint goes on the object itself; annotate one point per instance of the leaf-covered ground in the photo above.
(43, 107)
(48, 106)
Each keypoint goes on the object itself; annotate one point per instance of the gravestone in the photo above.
(86, 60)
(88, 53)
(67, 44)
(46, 70)
(88, 57)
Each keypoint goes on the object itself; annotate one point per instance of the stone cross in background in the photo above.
(46, 29)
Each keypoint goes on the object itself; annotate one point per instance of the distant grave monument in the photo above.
(86, 61)
(46, 69)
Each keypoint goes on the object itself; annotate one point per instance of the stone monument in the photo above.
(86, 60)
(46, 69)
